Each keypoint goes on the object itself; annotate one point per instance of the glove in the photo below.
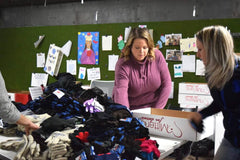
(93, 106)
(198, 127)
(150, 146)
(56, 124)
(12, 144)
(83, 136)
(27, 149)
(36, 119)
(23, 146)
(58, 136)
(58, 150)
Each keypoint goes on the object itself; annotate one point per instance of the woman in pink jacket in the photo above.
(142, 78)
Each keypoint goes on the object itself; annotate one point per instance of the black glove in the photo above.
(198, 127)
(56, 124)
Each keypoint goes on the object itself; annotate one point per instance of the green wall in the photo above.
(18, 54)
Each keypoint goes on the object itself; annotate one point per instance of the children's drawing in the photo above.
(88, 48)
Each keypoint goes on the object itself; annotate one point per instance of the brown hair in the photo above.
(138, 33)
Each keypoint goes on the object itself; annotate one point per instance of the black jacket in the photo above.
(228, 101)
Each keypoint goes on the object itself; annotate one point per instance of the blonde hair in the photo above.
(138, 33)
(219, 48)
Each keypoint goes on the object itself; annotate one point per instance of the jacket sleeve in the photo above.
(120, 90)
(9, 113)
(210, 110)
(166, 82)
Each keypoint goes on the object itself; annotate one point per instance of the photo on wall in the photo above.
(88, 48)
(172, 39)
(174, 55)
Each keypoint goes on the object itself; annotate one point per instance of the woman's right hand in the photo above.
(196, 121)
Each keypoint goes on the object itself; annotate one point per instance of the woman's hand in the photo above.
(28, 124)
(196, 121)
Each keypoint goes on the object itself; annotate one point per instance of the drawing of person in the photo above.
(88, 55)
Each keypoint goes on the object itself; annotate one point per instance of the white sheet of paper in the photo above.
(172, 92)
(200, 68)
(72, 67)
(93, 73)
(188, 62)
(178, 72)
(82, 72)
(107, 43)
(38, 79)
(67, 48)
(35, 92)
(59, 93)
(112, 60)
(126, 33)
(40, 60)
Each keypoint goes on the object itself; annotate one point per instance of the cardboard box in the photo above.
(168, 123)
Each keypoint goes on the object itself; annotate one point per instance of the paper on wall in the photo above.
(112, 60)
(188, 62)
(178, 72)
(200, 68)
(126, 33)
(172, 91)
(54, 60)
(39, 79)
(72, 67)
(82, 72)
(93, 73)
(188, 45)
(107, 43)
(67, 48)
(40, 60)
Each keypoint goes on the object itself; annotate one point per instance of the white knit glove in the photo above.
(35, 118)
(29, 148)
(57, 137)
(11, 144)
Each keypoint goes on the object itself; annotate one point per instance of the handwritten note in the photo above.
(93, 73)
(39, 79)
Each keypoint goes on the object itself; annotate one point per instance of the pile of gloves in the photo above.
(25, 147)
(59, 145)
